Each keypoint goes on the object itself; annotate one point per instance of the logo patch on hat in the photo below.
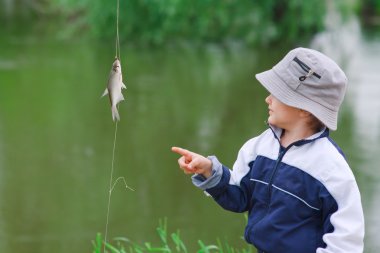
(306, 69)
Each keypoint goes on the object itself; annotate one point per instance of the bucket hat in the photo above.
(309, 80)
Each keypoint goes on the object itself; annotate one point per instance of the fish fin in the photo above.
(115, 113)
(123, 85)
(121, 98)
(105, 92)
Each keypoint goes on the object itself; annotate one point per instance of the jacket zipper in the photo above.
(278, 161)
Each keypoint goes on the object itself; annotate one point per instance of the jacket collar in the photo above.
(278, 131)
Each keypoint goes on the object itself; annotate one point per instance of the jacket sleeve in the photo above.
(230, 188)
(344, 228)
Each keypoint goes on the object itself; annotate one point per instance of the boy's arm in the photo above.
(231, 197)
(230, 189)
(344, 228)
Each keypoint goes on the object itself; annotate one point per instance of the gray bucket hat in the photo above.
(309, 80)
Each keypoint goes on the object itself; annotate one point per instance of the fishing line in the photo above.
(117, 42)
(110, 190)
(125, 183)
(113, 184)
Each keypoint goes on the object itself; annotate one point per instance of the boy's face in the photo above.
(280, 114)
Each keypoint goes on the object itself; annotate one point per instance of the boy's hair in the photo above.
(309, 80)
(315, 124)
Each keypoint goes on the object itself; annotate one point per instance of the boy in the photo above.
(293, 180)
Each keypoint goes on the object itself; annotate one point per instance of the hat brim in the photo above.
(278, 88)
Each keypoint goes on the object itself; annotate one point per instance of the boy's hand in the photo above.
(192, 162)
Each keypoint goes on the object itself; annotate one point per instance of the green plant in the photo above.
(169, 244)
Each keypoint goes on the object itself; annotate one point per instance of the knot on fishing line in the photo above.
(125, 184)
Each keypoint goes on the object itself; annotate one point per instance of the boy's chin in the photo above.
(272, 123)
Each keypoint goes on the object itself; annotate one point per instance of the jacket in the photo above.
(299, 199)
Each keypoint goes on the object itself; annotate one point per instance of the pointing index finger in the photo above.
(183, 152)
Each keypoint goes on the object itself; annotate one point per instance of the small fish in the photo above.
(114, 86)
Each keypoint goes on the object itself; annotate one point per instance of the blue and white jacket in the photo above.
(300, 199)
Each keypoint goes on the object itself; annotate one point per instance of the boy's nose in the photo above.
(268, 99)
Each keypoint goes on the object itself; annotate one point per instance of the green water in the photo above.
(56, 138)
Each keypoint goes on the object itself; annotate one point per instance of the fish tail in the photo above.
(115, 113)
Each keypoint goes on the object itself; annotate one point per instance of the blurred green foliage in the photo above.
(159, 21)
(370, 12)
(371, 6)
